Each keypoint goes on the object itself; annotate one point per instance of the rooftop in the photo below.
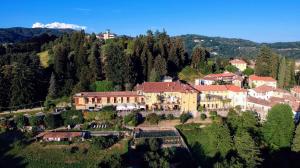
(237, 61)
(108, 94)
(261, 78)
(154, 87)
(232, 88)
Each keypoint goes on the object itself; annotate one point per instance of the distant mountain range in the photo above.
(233, 47)
(219, 46)
(19, 34)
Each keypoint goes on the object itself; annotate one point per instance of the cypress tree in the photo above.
(296, 140)
(274, 66)
(160, 65)
(53, 89)
(263, 62)
(281, 73)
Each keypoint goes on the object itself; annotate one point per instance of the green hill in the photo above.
(232, 47)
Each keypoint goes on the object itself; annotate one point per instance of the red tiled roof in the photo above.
(225, 74)
(219, 88)
(258, 101)
(264, 88)
(61, 135)
(237, 61)
(108, 94)
(153, 87)
(261, 78)
(296, 89)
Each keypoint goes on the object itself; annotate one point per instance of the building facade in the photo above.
(240, 64)
(255, 81)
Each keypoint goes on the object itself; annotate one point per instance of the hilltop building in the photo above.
(240, 64)
(106, 35)
(255, 81)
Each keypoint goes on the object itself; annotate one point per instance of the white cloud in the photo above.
(58, 25)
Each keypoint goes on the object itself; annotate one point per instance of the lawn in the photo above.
(44, 58)
(41, 155)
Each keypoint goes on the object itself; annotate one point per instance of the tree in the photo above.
(95, 63)
(218, 140)
(72, 117)
(247, 149)
(231, 68)
(154, 77)
(189, 74)
(296, 140)
(53, 88)
(274, 67)
(112, 161)
(292, 72)
(133, 119)
(199, 58)
(115, 63)
(184, 117)
(22, 86)
(282, 72)
(278, 129)
(53, 120)
(248, 71)
(153, 118)
(154, 144)
(263, 60)
(21, 121)
(160, 65)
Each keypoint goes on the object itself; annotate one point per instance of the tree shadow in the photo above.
(7, 140)
(283, 157)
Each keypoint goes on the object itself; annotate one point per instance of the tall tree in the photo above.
(279, 127)
(274, 66)
(199, 57)
(247, 149)
(53, 90)
(296, 140)
(263, 60)
(282, 72)
(115, 63)
(292, 72)
(160, 65)
(22, 85)
(95, 63)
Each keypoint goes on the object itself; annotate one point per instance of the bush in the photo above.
(72, 117)
(184, 117)
(104, 142)
(133, 119)
(203, 116)
(213, 115)
(53, 121)
(153, 118)
(102, 86)
(170, 117)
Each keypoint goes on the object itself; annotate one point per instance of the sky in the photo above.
(256, 20)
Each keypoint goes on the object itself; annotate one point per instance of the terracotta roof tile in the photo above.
(296, 89)
(108, 94)
(258, 101)
(219, 88)
(62, 134)
(261, 78)
(237, 61)
(264, 88)
(153, 87)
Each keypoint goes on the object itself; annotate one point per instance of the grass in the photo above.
(51, 155)
(44, 58)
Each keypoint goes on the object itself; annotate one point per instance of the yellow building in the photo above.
(97, 100)
(256, 81)
(240, 64)
(169, 96)
(218, 97)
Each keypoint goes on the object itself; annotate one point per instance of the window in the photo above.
(127, 99)
(121, 99)
(115, 100)
(99, 100)
(108, 100)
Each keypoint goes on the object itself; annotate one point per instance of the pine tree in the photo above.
(60, 60)
(274, 67)
(288, 77)
(95, 63)
(282, 72)
(160, 65)
(296, 140)
(199, 58)
(263, 62)
(292, 72)
(154, 77)
(247, 149)
(53, 90)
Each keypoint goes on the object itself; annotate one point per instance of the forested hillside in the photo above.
(19, 34)
(231, 47)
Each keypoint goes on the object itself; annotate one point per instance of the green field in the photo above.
(44, 58)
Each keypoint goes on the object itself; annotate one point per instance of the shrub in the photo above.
(72, 117)
(170, 117)
(104, 142)
(203, 116)
(213, 115)
(133, 119)
(184, 117)
(153, 118)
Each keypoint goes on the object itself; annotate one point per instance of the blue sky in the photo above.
(257, 20)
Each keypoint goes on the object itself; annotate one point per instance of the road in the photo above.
(21, 111)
